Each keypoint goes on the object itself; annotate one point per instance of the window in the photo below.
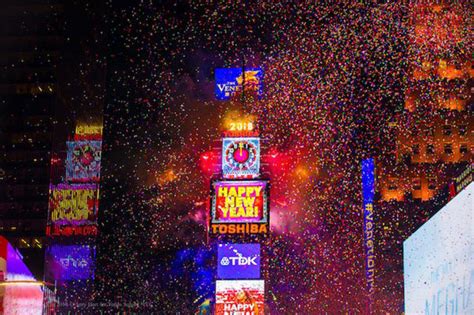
(448, 149)
(431, 183)
(416, 149)
(430, 149)
(447, 130)
(463, 149)
(416, 184)
(462, 130)
(392, 184)
(429, 132)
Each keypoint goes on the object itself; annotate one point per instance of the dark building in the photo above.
(31, 41)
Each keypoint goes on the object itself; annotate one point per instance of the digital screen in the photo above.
(230, 81)
(438, 261)
(237, 297)
(72, 206)
(83, 161)
(368, 192)
(238, 261)
(240, 157)
(70, 262)
(239, 202)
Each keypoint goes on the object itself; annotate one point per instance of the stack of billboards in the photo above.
(72, 217)
(239, 207)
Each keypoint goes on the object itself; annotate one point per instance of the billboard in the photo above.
(237, 297)
(72, 208)
(70, 262)
(368, 191)
(83, 161)
(230, 82)
(239, 207)
(438, 260)
(241, 157)
(238, 261)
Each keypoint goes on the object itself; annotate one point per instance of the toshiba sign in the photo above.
(238, 261)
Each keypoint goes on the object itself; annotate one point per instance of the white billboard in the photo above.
(438, 261)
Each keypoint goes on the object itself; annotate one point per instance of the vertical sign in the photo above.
(368, 188)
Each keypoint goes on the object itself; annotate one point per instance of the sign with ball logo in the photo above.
(238, 261)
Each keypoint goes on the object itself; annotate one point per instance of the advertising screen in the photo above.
(237, 297)
(240, 157)
(239, 207)
(238, 261)
(368, 192)
(72, 206)
(438, 260)
(70, 262)
(230, 81)
(83, 161)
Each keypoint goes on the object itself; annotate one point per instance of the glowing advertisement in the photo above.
(73, 209)
(88, 132)
(438, 260)
(70, 262)
(238, 261)
(21, 296)
(241, 157)
(230, 81)
(83, 161)
(239, 207)
(239, 297)
(368, 188)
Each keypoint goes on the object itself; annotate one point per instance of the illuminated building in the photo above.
(31, 40)
(433, 139)
(435, 128)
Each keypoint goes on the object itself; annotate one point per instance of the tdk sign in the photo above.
(238, 261)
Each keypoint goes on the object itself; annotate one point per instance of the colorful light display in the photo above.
(238, 261)
(70, 262)
(83, 161)
(241, 157)
(230, 82)
(73, 209)
(239, 207)
(237, 297)
(368, 189)
(88, 132)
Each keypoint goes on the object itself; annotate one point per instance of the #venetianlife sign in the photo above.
(368, 192)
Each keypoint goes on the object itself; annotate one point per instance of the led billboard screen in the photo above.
(238, 261)
(240, 157)
(237, 297)
(239, 207)
(368, 192)
(72, 206)
(83, 161)
(438, 260)
(70, 262)
(230, 81)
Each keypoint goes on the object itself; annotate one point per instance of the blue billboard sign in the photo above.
(238, 261)
(230, 82)
(70, 262)
(368, 192)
